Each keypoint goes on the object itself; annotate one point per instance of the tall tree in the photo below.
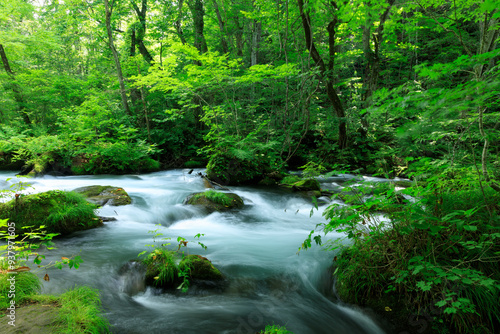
(111, 44)
(15, 87)
(141, 32)
(198, 13)
(326, 72)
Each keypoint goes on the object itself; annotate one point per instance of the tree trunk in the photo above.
(139, 40)
(178, 25)
(15, 87)
(109, 11)
(222, 29)
(239, 37)
(256, 33)
(326, 73)
(197, 11)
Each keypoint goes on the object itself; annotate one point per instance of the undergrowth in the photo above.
(434, 255)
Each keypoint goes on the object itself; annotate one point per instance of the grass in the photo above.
(81, 312)
(60, 211)
(26, 284)
(275, 329)
(79, 309)
(161, 267)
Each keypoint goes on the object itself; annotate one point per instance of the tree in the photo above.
(326, 71)
(111, 44)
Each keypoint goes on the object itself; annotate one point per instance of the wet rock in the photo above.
(200, 268)
(306, 185)
(132, 277)
(212, 200)
(102, 195)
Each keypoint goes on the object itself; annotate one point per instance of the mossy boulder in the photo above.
(267, 181)
(213, 200)
(306, 185)
(200, 268)
(61, 212)
(102, 195)
(161, 269)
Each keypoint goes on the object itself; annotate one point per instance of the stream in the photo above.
(255, 248)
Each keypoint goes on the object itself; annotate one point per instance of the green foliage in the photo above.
(447, 235)
(168, 268)
(161, 267)
(275, 329)
(290, 179)
(312, 170)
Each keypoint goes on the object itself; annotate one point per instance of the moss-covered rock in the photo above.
(161, 269)
(267, 181)
(213, 200)
(61, 212)
(200, 268)
(102, 195)
(306, 185)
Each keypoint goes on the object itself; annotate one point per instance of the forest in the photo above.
(253, 89)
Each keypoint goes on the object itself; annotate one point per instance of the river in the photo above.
(255, 248)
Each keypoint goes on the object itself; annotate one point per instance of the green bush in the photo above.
(440, 251)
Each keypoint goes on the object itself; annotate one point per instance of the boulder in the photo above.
(161, 269)
(200, 268)
(306, 185)
(102, 195)
(213, 200)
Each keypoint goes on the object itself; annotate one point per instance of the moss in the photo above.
(102, 195)
(306, 185)
(200, 268)
(289, 180)
(213, 200)
(61, 212)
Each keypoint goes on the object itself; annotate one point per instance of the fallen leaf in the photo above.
(20, 269)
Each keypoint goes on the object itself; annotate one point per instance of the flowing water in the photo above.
(255, 248)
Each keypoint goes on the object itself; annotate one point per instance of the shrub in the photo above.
(439, 251)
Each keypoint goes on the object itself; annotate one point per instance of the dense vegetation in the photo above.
(250, 88)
